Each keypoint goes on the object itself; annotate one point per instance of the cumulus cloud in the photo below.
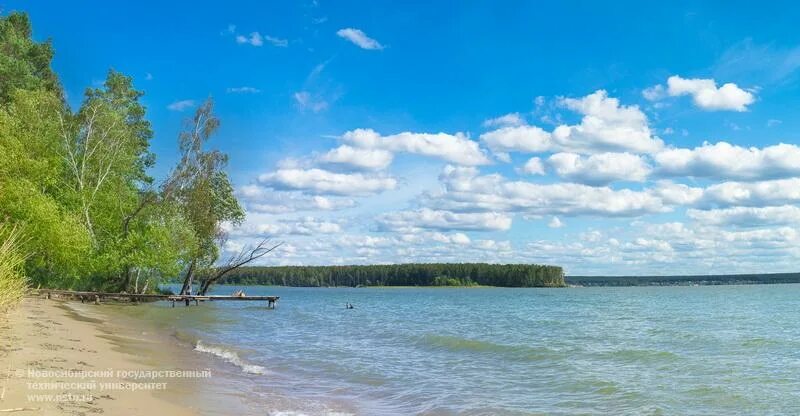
(654, 93)
(599, 169)
(508, 120)
(605, 126)
(259, 199)
(455, 238)
(533, 166)
(359, 38)
(752, 194)
(704, 92)
(425, 218)
(726, 161)
(372, 159)
(527, 139)
(465, 190)
(181, 105)
(747, 216)
(676, 193)
(257, 226)
(255, 39)
(320, 181)
(456, 148)
(555, 222)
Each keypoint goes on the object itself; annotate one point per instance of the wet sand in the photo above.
(55, 359)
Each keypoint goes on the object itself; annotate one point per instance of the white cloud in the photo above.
(181, 105)
(455, 148)
(255, 39)
(752, 194)
(527, 139)
(606, 126)
(555, 222)
(465, 190)
(321, 181)
(243, 90)
(508, 120)
(534, 166)
(258, 199)
(306, 101)
(676, 193)
(373, 159)
(707, 96)
(257, 226)
(726, 161)
(599, 169)
(455, 238)
(654, 93)
(281, 43)
(747, 216)
(408, 221)
(359, 38)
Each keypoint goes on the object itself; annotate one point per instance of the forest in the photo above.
(685, 280)
(78, 206)
(422, 274)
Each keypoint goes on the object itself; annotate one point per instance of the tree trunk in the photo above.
(187, 281)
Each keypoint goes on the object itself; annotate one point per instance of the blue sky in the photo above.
(617, 138)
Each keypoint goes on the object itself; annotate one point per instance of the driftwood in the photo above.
(243, 257)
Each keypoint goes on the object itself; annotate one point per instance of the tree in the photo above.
(203, 190)
(106, 150)
(32, 189)
(24, 64)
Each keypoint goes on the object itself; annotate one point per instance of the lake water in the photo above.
(491, 351)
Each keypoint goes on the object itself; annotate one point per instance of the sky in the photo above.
(610, 138)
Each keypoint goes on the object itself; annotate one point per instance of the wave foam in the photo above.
(230, 357)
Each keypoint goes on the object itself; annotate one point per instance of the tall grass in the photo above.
(12, 259)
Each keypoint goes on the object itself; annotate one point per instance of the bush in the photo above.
(12, 279)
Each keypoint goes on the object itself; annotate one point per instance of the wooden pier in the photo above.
(97, 297)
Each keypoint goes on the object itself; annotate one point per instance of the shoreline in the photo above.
(62, 358)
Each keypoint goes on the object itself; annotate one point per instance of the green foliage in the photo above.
(12, 259)
(78, 182)
(24, 64)
(424, 274)
(201, 188)
(31, 173)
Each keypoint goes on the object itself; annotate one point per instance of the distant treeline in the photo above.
(424, 274)
(722, 279)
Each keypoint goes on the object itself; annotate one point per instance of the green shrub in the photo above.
(12, 279)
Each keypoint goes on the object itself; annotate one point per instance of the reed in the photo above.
(12, 260)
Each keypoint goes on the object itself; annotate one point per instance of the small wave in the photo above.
(642, 355)
(294, 413)
(230, 357)
(458, 344)
(286, 413)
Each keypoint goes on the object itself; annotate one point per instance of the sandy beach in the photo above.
(56, 361)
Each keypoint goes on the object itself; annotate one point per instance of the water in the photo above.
(486, 351)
